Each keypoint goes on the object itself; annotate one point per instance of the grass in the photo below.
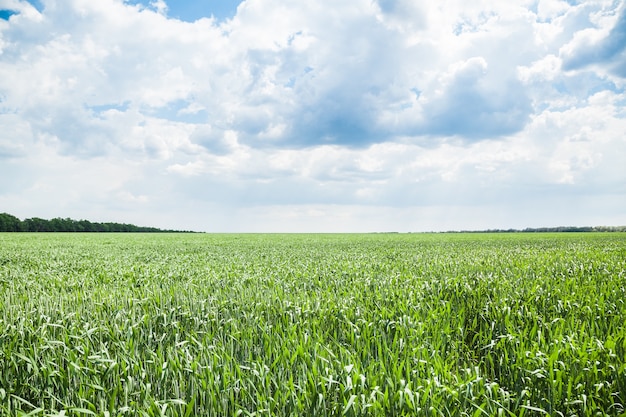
(325, 325)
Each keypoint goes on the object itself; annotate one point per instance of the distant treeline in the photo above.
(551, 229)
(9, 223)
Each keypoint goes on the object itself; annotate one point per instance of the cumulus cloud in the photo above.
(602, 44)
(469, 105)
(314, 78)
(382, 105)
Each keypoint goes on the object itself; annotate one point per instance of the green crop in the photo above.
(313, 325)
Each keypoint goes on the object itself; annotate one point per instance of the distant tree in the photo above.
(56, 225)
(36, 224)
(9, 223)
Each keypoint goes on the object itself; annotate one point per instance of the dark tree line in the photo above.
(9, 223)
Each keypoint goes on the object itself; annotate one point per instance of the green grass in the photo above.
(325, 325)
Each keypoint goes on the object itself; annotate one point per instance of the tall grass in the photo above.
(325, 325)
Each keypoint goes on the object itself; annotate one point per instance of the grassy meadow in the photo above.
(313, 325)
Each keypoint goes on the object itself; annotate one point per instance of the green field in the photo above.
(313, 325)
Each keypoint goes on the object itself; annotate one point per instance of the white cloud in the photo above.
(544, 69)
(603, 45)
(353, 116)
(551, 9)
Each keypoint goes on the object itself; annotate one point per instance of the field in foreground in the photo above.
(320, 325)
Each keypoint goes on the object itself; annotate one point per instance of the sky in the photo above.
(314, 116)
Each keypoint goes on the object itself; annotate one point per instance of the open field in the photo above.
(324, 325)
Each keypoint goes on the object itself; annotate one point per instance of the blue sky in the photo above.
(275, 116)
(192, 10)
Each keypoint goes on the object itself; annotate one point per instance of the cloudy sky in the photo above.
(326, 115)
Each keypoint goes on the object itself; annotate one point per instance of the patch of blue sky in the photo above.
(6, 14)
(37, 4)
(621, 104)
(192, 10)
(585, 85)
(560, 87)
(605, 85)
(98, 110)
(178, 111)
